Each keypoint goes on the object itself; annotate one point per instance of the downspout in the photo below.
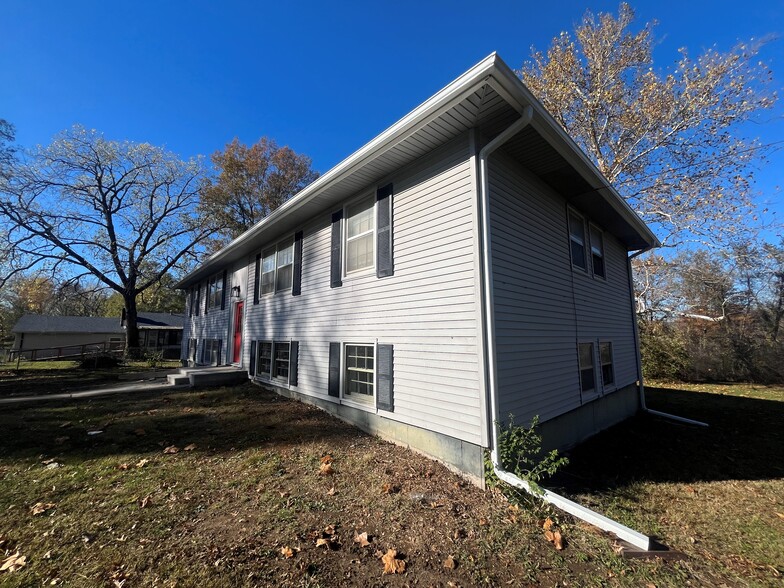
(637, 539)
(641, 385)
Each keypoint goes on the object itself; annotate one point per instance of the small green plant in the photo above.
(154, 358)
(520, 452)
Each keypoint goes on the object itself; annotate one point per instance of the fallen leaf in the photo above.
(322, 541)
(284, 494)
(13, 563)
(325, 469)
(142, 462)
(548, 522)
(329, 530)
(550, 536)
(187, 409)
(389, 488)
(362, 539)
(172, 449)
(41, 507)
(326, 459)
(123, 466)
(393, 565)
(450, 563)
(145, 502)
(332, 491)
(189, 447)
(482, 522)
(558, 540)
(287, 552)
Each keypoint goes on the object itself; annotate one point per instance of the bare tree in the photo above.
(670, 141)
(87, 206)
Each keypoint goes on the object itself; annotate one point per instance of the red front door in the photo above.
(238, 332)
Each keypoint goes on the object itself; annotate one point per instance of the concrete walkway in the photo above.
(142, 386)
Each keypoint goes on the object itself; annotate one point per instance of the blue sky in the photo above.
(322, 77)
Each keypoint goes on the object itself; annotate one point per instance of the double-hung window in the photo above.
(587, 367)
(275, 359)
(359, 376)
(360, 235)
(597, 251)
(577, 240)
(606, 359)
(277, 267)
(215, 291)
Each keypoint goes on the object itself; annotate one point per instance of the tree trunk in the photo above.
(132, 348)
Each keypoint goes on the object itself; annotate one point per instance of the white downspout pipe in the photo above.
(637, 539)
(641, 386)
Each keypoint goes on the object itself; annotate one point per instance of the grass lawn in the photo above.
(245, 500)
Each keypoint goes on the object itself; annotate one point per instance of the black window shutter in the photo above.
(384, 266)
(220, 351)
(336, 266)
(223, 292)
(252, 367)
(334, 370)
(293, 362)
(256, 279)
(385, 393)
(296, 285)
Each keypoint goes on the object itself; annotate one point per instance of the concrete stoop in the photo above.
(208, 376)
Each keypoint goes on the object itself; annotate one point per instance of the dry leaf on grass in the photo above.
(362, 539)
(325, 469)
(189, 447)
(142, 462)
(547, 525)
(389, 488)
(171, 449)
(288, 552)
(450, 563)
(13, 563)
(322, 541)
(145, 502)
(41, 507)
(326, 459)
(123, 466)
(332, 491)
(393, 565)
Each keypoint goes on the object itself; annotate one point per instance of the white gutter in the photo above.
(641, 386)
(637, 539)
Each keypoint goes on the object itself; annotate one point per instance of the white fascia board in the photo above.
(405, 127)
(515, 92)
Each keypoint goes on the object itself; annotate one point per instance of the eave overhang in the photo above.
(488, 97)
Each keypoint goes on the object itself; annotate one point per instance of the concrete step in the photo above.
(208, 376)
(178, 379)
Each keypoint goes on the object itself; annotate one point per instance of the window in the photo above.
(606, 359)
(276, 360)
(215, 291)
(194, 304)
(360, 235)
(359, 374)
(277, 267)
(587, 370)
(577, 240)
(211, 352)
(597, 251)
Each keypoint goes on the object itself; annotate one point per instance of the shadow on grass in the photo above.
(745, 441)
(215, 420)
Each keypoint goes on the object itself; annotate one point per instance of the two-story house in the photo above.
(468, 263)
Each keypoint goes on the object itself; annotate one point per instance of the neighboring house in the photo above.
(369, 293)
(58, 336)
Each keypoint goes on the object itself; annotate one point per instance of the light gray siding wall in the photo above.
(212, 323)
(542, 306)
(428, 310)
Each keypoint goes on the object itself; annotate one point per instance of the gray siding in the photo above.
(542, 306)
(212, 324)
(428, 310)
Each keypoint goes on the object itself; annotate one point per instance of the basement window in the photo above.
(587, 367)
(275, 361)
(359, 375)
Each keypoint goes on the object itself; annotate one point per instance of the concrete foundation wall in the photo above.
(569, 429)
(458, 455)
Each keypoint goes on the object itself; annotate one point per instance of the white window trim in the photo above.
(592, 225)
(270, 377)
(588, 395)
(586, 239)
(366, 406)
(614, 386)
(276, 247)
(344, 238)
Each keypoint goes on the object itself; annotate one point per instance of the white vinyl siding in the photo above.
(428, 309)
(543, 307)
